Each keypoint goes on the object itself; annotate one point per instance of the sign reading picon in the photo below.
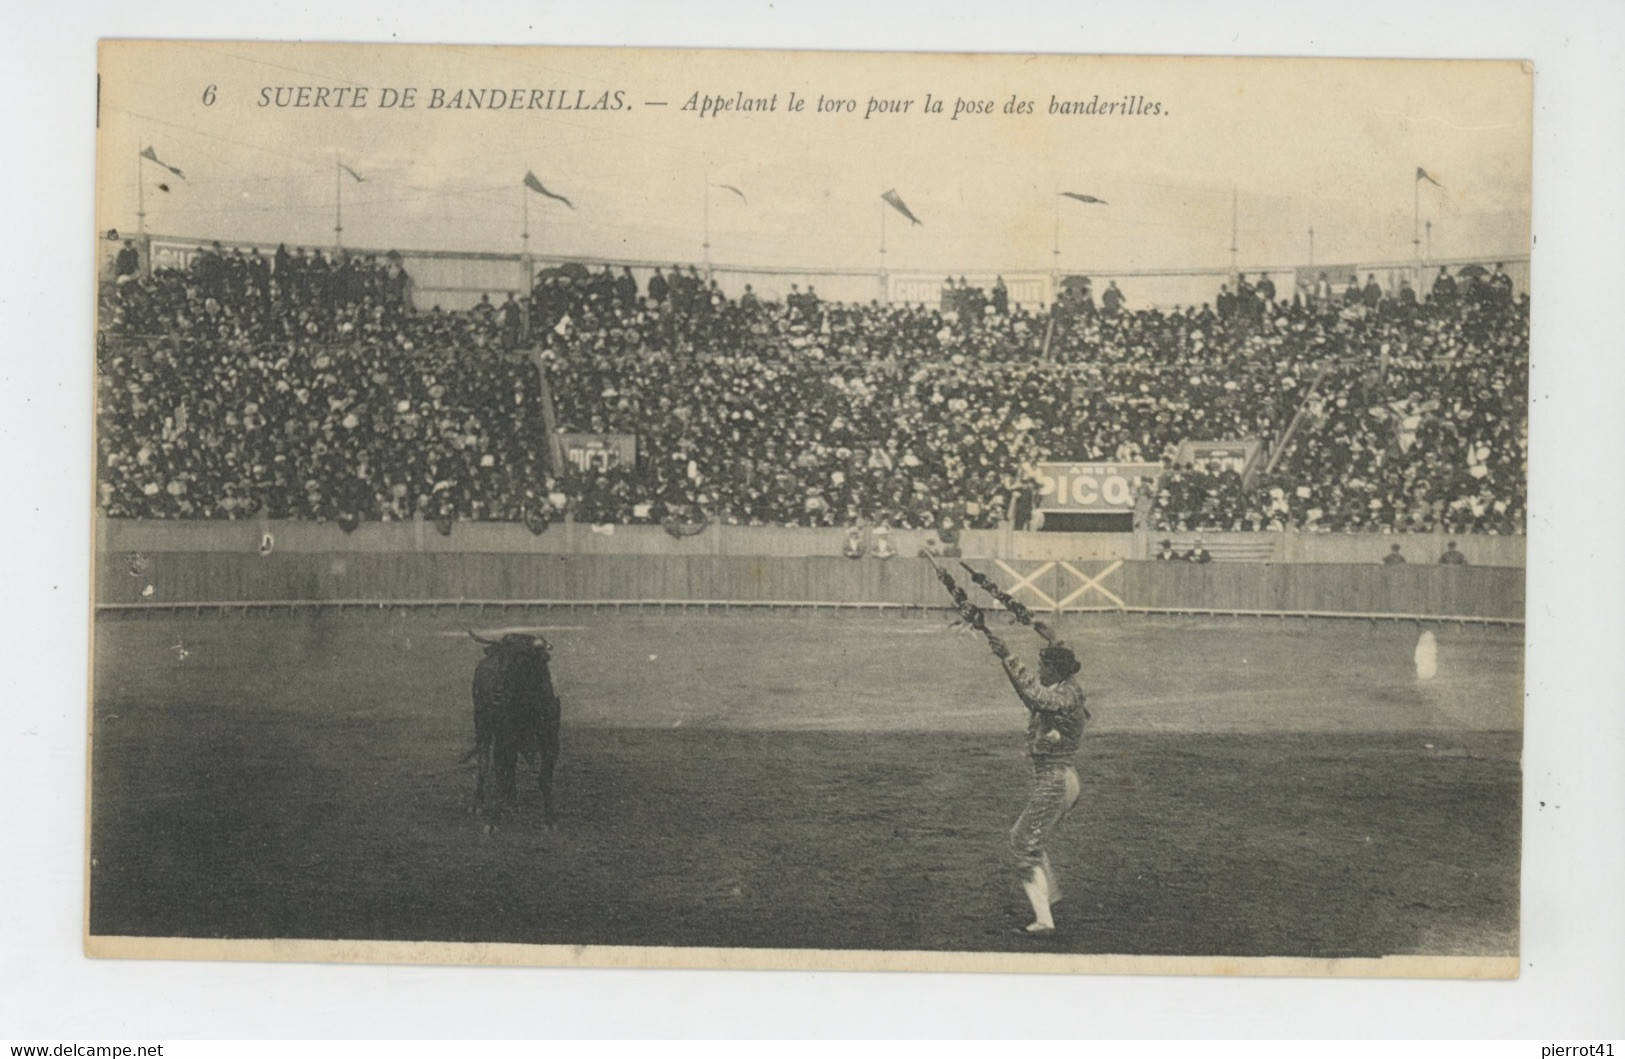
(1092, 488)
(599, 452)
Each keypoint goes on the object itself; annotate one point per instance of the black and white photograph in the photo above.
(810, 510)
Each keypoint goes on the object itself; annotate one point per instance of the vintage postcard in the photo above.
(809, 510)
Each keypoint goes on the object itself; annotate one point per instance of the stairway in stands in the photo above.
(1243, 548)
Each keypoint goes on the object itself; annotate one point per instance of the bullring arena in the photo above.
(769, 746)
(795, 777)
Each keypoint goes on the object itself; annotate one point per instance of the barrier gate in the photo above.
(1061, 585)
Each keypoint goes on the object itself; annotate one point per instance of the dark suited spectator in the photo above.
(1166, 552)
(972, 303)
(1198, 553)
(1245, 294)
(1501, 284)
(1112, 301)
(1444, 287)
(1452, 556)
(1022, 508)
(693, 290)
(1393, 558)
(511, 322)
(128, 262)
(626, 287)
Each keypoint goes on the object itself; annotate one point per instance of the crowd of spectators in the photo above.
(304, 385)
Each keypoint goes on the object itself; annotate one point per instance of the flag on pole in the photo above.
(359, 179)
(1085, 198)
(536, 186)
(1422, 174)
(896, 202)
(736, 191)
(152, 156)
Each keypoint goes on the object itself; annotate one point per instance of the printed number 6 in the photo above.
(208, 96)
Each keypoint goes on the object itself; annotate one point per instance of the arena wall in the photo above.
(570, 538)
(177, 577)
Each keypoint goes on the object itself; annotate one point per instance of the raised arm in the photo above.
(1057, 698)
(1033, 694)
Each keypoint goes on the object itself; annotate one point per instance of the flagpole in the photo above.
(1416, 218)
(1311, 246)
(527, 284)
(1055, 270)
(140, 196)
(884, 294)
(705, 242)
(338, 203)
(1234, 209)
(524, 241)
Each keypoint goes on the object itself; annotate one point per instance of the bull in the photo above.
(516, 713)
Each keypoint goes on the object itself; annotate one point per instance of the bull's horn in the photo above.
(477, 638)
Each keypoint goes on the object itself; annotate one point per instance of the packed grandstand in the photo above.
(306, 385)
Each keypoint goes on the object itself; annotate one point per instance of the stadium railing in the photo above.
(456, 279)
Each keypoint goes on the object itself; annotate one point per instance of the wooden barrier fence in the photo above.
(182, 578)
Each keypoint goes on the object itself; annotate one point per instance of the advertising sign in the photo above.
(599, 452)
(1092, 488)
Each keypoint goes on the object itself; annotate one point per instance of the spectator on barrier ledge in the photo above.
(1166, 552)
(1393, 558)
(883, 547)
(854, 548)
(1451, 556)
(1198, 553)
